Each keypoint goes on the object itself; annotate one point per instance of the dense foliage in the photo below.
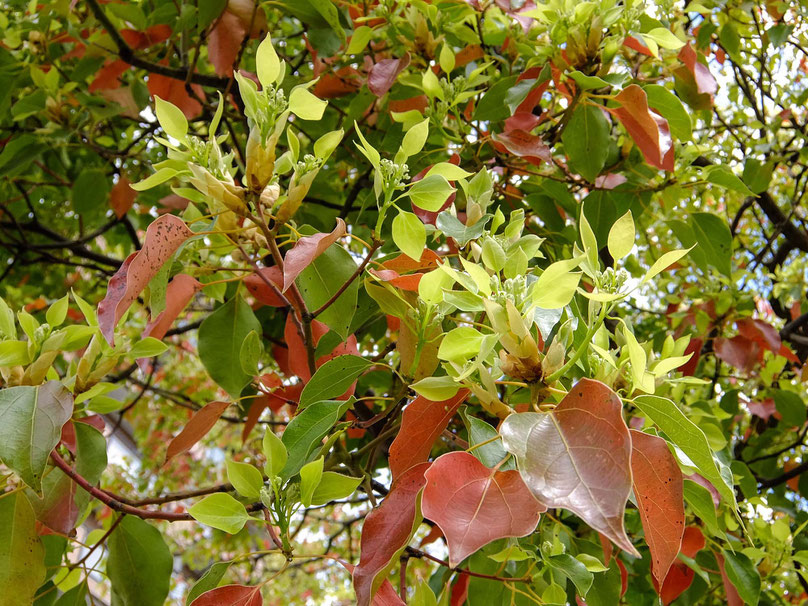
(453, 302)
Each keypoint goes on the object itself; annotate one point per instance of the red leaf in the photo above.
(460, 590)
(279, 397)
(764, 409)
(469, 54)
(733, 597)
(740, 352)
(475, 505)
(578, 457)
(523, 144)
(384, 73)
(403, 263)
(421, 424)
(121, 197)
(107, 77)
(261, 290)
(421, 102)
(409, 282)
(298, 362)
(179, 293)
(386, 531)
(762, 333)
(385, 596)
(231, 595)
(635, 44)
(197, 427)
(174, 91)
(153, 35)
(342, 82)
(224, 43)
(688, 369)
(680, 575)
(657, 482)
(648, 130)
(705, 82)
(163, 237)
(306, 250)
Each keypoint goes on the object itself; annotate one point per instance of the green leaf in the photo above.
(723, 176)
(574, 570)
(359, 40)
(221, 511)
(492, 106)
(688, 437)
(306, 431)
(791, 407)
(209, 580)
(665, 38)
(57, 312)
(220, 338)
(333, 378)
(669, 106)
(492, 255)
(13, 353)
(665, 261)
(310, 475)
(452, 172)
(743, 574)
(328, 11)
(436, 388)
(461, 233)
(423, 596)
(171, 119)
(22, 554)
(409, 234)
(147, 348)
(621, 237)
(606, 587)
(430, 193)
(32, 420)
(334, 486)
(586, 141)
(275, 454)
(139, 564)
(210, 10)
(714, 237)
(460, 344)
(158, 178)
(415, 138)
(322, 279)
(250, 353)
(89, 192)
(245, 478)
(492, 452)
(305, 105)
(757, 175)
(327, 143)
(8, 327)
(701, 500)
(556, 285)
(267, 63)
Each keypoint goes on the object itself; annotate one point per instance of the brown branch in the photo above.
(374, 247)
(116, 505)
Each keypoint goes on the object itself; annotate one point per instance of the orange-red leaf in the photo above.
(163, 237)
(224, 43)
(231, 595)
(523, 144)
(475, 505)
(121, 197)
(179, 293)
(306, 250)
(648, 130)
(421, 424)
(733, 597)
(658, 487)
(739, 351)
(197, 427)
(173, 90)
(297, 362)
(386, 531)
(578, 457)
(705, 82)
(259, 288)
(680, 575)
(108, 76)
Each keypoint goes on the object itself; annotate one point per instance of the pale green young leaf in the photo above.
(446, 58)
(221, 511)
(310, 475)
(415, 138)
(621, 236)
(171, 119)
(334, 486)
(267, 63)
(409, 234)
(305, 105)
(430, 193)
(57, 312)
(275, 454)
(436, 388)
(460, 344)
(245, 478)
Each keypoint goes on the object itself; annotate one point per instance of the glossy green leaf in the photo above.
(275, 454)
(333, 378)
(32, 420)
(306, 431)
(322, 279)
(310, 475)
(430, 193)
(139, 564)
(22, 555)
(220, 338)
(743, 575)
(334, 486)
(586, 141)
(409, 234)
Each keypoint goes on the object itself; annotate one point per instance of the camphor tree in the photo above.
(483, 302)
